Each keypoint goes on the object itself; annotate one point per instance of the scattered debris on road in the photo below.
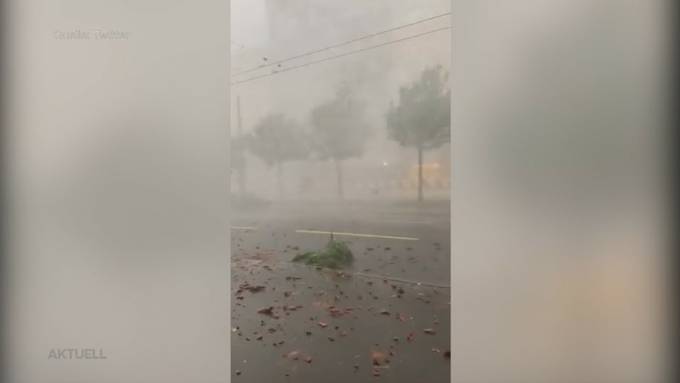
(335, 255)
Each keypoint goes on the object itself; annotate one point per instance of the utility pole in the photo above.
(239, 130)
(241, 170)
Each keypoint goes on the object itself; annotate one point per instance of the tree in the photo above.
(277, 139)
(238, 161)
(422, 117)
(339, 130)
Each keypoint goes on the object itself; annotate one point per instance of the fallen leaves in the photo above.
(379, 358)
(248, 287)
(338, 312)
(293, 355)
(411, 337)
(268, 311)
(297, 355)
(335, 305)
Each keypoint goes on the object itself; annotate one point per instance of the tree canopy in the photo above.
(422, 117)
(339, 130)
(277, 139)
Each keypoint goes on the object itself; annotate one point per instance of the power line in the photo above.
(340, 55)
(340, 44)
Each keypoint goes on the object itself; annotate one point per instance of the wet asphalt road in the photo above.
(385, 318)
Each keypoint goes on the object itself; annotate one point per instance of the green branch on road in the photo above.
(336, 255)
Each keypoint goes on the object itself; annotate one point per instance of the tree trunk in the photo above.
(338, 172)
(420, 173)
(242, 181)
(241, 174)
(279, 178)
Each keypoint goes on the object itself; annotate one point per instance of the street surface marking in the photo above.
(357, 235)
(244, 227)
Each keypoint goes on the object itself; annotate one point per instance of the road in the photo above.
(386, 317)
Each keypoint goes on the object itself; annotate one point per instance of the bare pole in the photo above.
(239, 132)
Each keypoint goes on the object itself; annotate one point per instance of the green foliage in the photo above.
(277, 139)
(334, 256)
(339, 129)
(422, 117)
